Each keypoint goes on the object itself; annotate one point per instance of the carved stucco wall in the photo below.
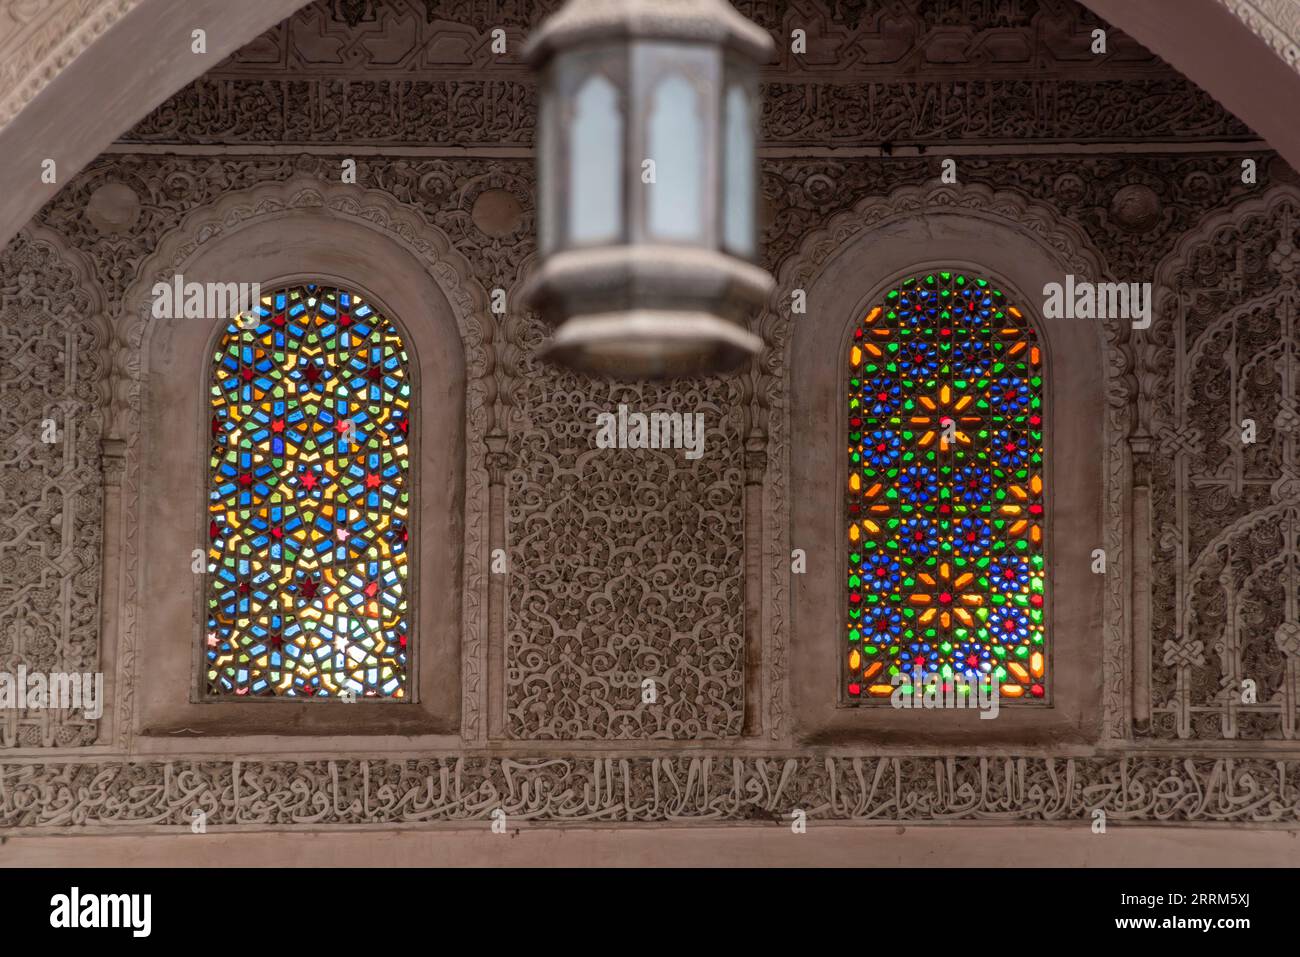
(879, 73)
(630, 564)
(593, 541)
(1223, 359)
(53, 383)
(66, 56)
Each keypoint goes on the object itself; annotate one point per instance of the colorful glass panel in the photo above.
(945, 492)
(308, 501)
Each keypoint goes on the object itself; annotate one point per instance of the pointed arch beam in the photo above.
(1220, 46)
(116, 61)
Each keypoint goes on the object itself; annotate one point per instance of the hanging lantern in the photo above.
(647, 185)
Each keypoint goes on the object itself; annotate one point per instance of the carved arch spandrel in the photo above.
(882, 224)
(385, 236)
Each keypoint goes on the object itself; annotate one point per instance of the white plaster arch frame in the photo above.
(844, 267)
(274, 234)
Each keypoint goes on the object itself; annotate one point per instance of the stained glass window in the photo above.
(945, 492)
(308, 501)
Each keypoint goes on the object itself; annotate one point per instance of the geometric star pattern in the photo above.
(945, 492)
(308, 501)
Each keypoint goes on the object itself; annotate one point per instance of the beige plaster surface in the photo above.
(743, 845)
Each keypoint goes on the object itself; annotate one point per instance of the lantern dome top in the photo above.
(582, 22)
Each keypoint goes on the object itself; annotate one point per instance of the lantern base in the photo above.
(652, 344)
(649, 311)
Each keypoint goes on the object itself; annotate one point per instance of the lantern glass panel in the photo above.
(676, 144)
(595, 170)
(738, 177)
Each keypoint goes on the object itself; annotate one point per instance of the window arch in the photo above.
(308, 501)
(945, 498)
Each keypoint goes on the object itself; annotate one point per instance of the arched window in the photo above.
(945, 493)
(308, 501)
